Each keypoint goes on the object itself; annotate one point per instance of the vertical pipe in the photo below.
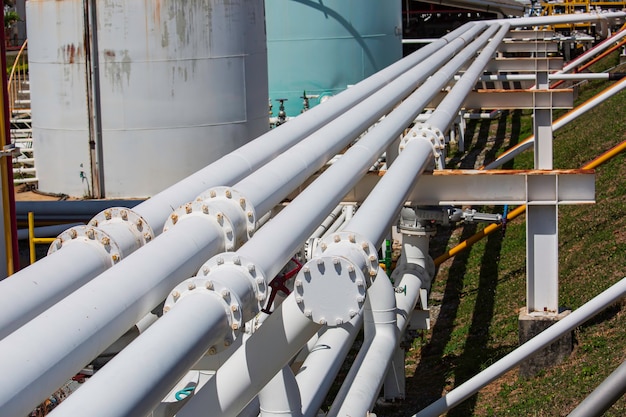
(280, 397)
(31, 237)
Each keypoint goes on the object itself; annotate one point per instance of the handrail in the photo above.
(13, 92)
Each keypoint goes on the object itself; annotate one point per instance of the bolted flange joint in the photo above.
(329, 290)
(360, 251)
(232, 212)
(236, 282)
(126, 219)
(91, 236)
(430, 133)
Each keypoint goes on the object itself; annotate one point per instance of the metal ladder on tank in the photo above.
(24, 171)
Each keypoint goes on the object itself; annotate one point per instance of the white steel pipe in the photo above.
(248, 370)
(604, 396)
(201, 310)
(14, 311)
(576, 318)
(560, 122)
(320, 368)
(328, 222)
(360, 389)
(579, 76)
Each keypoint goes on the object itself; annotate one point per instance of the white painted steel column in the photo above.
(552, 333)
(250, 368)
(320, 368)
(15, 311)
(542, 235)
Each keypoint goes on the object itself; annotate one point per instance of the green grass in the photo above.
(479, 292)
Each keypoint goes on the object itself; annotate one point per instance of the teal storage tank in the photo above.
(322, 47)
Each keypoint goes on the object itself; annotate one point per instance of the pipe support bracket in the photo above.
(233, 213)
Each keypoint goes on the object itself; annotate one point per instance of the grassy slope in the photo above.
(480, 292)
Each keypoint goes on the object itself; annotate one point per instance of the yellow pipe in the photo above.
(521, 209)
(31, 237)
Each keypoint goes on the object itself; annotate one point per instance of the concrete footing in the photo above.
(531, 325)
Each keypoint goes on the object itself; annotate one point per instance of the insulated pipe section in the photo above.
(360, 389)
(576, 318)
(604, 396)
(155, 211)
(559, 123)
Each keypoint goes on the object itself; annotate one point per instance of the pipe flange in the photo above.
(329, 290)
(229, 301)
(122, 215)
(232, 212)
(217, 195)
(241, 273)
(199, 208)
(425, 131)
(351, 246)
(89, 235)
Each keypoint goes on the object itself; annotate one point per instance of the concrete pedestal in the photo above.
(531, 325)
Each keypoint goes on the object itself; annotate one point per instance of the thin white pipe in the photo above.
(250, 368)
(320, 368)
(360, 389)
(15, 311)
(327, 222)
(183, 350)
(576, 318)
(562, 121)
(552, 77)
(336, 225)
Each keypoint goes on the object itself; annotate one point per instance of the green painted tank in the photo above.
(321, 47)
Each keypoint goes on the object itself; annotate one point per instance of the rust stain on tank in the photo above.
(109, 53)
(71, 53)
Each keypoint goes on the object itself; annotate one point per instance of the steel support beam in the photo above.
(524, 64)
(532, 47)
(514, 99)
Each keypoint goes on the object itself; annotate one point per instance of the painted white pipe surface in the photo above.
(360, 389)
(596, 50)
(174, 349)
(556, 19)
(604, 396)
(281, 397)
(320, 368)
(243, 375)
(576, 318)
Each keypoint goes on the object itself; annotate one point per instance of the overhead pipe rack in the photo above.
(213, 264)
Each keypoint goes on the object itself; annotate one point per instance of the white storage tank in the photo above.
(128, 97)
